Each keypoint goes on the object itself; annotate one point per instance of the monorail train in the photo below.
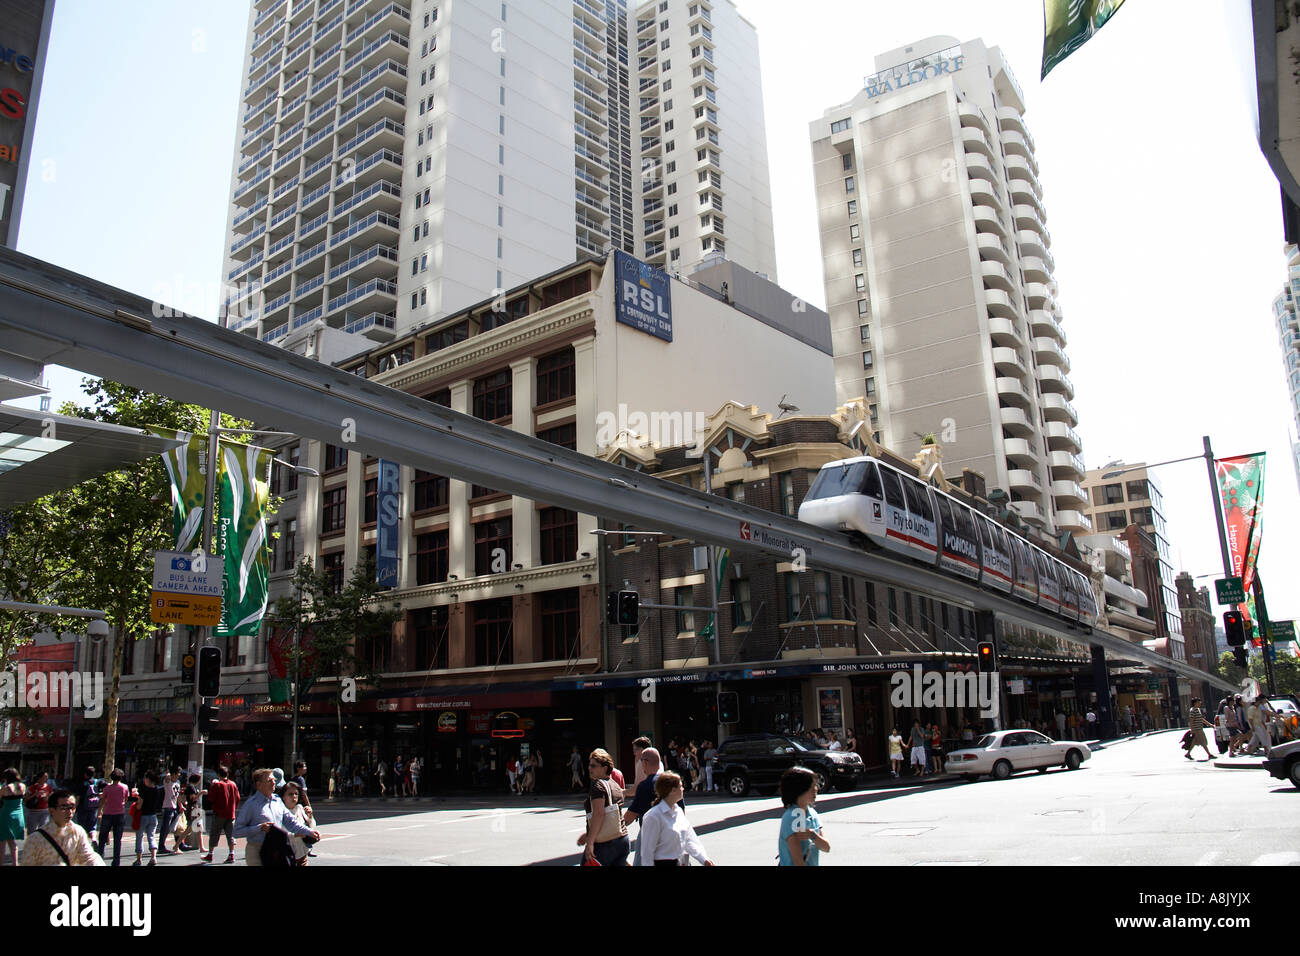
(900, 513)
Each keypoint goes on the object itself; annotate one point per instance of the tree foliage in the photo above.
(92, 545)
(1286, 672)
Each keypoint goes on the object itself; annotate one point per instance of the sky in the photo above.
(1164, 215)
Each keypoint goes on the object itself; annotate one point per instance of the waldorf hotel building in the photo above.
(940, 277)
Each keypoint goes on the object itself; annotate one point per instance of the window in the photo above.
(893, 608)
(1109, 494)
(785, 482)
(849, 184)
(855, 232)
(840, 126)
(684, 597)
(336, 457)
(860, 282)
(489, 536)
(848, 598)
(853, 207)
(431, 561)
(872, 618)
(857, 257)
(793, 599)
(446, 338)
(559, 534)
(555, 377)
(565, 289)
(1137, 490)
(822, 596)
(291, 476)
(432, 634)
(561, 631)
(566, 436)
(332, 566)
(289, 539)
(868, 361)
(492, 396)
(334, 510)
(864, 332)
(742, 607)
(430, 491)
(1115, 520)
(372, 652)
(492, 633)
(847, 160)
(1141, 516)
(871, 386)
(370, 503)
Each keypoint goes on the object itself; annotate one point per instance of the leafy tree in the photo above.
(93, 545)
(33, 563)
(332, 623)
(1286, 672)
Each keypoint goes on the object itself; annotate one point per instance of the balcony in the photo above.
(992, 247)
(1057, 409)
(1052, 379)
(1061, 437)
(1004, 332)
(1027, 217)
(376, 51)
(1033, 244)
(392, 16)
(972, 118)
(1028, 511)
(389, 133)
(1000, 304)
(983, 191)
(1018, 168)
(995, 276)
(978, 166)
(1015, 423)
(1007, 362)
(974, 141)
(376, 295)
(1015, 144)
(276, 333)
(1066, 466)
(1023, 480)
(1048, 352)
(1039, 295)
(378, 260)
(306, 288)
(309, 316)
(1035, 269)
(1009, 118)
(586, 200)
(1043, 323)
(379, 165)
(988, 221)
(1069, 493)
(245, 216)
(1013, 391)
(376, 220)
(1073, 521)
(377, 326)
(363, 86)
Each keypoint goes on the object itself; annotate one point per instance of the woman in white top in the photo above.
(293, 802)
(666, 835)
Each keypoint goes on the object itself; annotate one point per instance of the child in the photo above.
(801, 840)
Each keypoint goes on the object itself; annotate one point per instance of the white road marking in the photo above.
(413, 826)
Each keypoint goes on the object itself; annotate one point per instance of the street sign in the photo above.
(1229, 591)
(197, 610)
(1281, 630)
(174, 572)
(1153, 683)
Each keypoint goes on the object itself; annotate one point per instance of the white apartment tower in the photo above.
(1288, 337)
(398, 162)
(939, 274)
(703, 150)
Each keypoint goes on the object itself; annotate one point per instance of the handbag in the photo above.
(612, 826)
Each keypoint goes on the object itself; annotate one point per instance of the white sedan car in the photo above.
(1004, 752)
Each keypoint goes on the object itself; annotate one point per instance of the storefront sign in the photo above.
(644, 296)
(389, 485)
(830, 708)
(448, 722)
(916, 72)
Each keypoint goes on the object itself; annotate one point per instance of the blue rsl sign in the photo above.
(389, 485)
(644, 296)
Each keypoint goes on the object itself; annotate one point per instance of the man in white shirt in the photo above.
(60, 842)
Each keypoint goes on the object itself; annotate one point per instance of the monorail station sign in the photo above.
(916, 72)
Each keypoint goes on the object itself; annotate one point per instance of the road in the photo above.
(1136, 802)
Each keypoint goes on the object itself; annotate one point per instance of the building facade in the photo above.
(1198, 629)
(939, 273)
(397, 164)
(1288, 338)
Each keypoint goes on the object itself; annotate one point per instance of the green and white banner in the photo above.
(243, 491)
(1069, 24)
(184, 465)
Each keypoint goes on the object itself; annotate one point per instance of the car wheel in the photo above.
(1072, 760)
(1293, 772)
(737, 784)
(823, 781)
(1001, 770)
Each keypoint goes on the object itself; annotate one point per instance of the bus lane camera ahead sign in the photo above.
(182, 594)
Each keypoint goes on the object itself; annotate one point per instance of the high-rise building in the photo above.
(396, 164)
(1288, 337)
(939, 273)
(1115, 506)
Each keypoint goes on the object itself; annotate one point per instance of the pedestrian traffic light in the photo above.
(629, 607)
(1239, 655)
(611, 607)
(1234, 628)
(728, 707)
(208, 716)
(987, 658)
(209, 671)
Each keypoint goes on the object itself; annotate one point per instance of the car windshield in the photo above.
(799, 744)
(986, 741)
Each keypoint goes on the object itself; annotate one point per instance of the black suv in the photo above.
(758, 760)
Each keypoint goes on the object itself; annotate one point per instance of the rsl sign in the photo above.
(644, 296)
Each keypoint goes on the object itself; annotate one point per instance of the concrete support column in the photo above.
(460, 542)
(406, 530)
(523, 395)
(1101, 685)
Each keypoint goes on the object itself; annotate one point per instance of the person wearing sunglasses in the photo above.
(60, 842)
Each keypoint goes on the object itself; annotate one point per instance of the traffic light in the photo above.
(629, 607)
(1239, 655)
(987, 658)
(208, 716)
(611, 607)
(209, 671)
(1234, 628)
(728, 707)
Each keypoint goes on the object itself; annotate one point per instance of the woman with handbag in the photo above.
(293, 803)
(606, 837)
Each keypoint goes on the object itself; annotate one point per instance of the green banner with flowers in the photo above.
(243, 492)
(1241, 495)
(1069, 24)
(185, 471)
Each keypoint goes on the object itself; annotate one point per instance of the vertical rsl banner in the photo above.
(243, 491)
(1069, 24)
(1241, 496)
